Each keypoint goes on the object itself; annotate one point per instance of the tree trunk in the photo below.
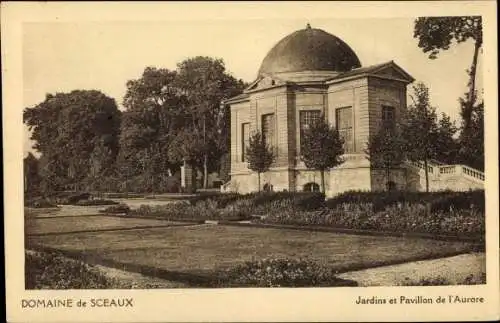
(205, 171)
(322, 172)
(388, 178)
(472, 87)
(426, 175)
(258, 181)
(205, 157)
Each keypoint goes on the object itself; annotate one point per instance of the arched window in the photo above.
(311, 187)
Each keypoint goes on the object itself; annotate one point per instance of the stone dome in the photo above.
(309, 49)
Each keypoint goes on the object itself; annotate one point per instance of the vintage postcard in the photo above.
(255, 161)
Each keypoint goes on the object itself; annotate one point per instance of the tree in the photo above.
(66, 127)
(447, 145)
(31, 174)
(438, 33)
(154, 114)
(260, 155)
(321, 148)
(472, 140)
(386, 149)
(205, 83)
(421, 130)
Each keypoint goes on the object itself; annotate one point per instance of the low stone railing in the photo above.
(474, 173)
(449, 170)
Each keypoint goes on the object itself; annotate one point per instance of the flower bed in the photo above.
(408, 218)
(280, 272)
(231, 206)
(53, 271)
(117, 209)
(95, 202)
(437, 201)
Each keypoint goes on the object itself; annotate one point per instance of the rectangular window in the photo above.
(307, 118)
(245, 140)
(344, 127)
(268, 127)
(388, 114)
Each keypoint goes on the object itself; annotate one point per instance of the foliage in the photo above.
(233, 206)
(260, 155)
(66, 128)
(31, 174)
(472, 140)
(53, 271)
(438, 201)
(438, 33)
(204, 83)
(321, 148)
(117, 209)
(95, 202)
(407, 218)
(39, 202)
(386, 149)
(279, 272)
(154, 113)
(447, 146)
(421, 129)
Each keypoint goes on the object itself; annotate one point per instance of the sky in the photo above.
(64, 56)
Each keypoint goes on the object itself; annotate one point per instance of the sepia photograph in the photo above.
(269, 153)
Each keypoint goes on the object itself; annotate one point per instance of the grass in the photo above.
(87, 223)
(200, 250)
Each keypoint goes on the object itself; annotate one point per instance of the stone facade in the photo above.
(357, 96)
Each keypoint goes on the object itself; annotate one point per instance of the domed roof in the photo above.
(309, 49)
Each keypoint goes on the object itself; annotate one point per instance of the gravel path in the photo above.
(453, 269)
(138, 281)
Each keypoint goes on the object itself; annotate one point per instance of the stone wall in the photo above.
(351, 94)
(397, 176)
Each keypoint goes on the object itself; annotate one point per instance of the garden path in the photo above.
(454, 269)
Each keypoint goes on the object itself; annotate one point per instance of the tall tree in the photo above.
(205, 83)
(438, 33)
(260, 155)
(154, 113)
(321, 148)
(421, 129)
(66, 127)
(446, 141)
(386, 149)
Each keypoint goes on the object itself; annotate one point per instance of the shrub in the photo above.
(117, 209)
(95, 202)
(39, 202)
(401, 218)
(53, 271)
(75, 198)
(438, 201)
(279, 272)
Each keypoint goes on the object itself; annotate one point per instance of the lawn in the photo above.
(200, 249)
(87, 223)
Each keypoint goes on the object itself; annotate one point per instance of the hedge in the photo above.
(280, 272)
(437, 201)
(95, 202)
(231, 206)
(409, 218)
